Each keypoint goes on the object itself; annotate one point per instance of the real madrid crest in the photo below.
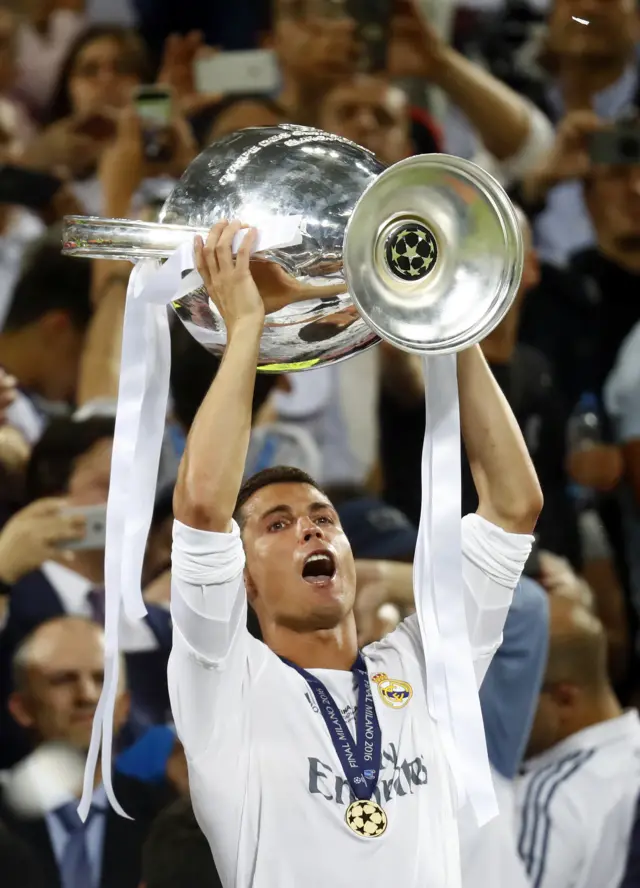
(366, 818)
(394, 693)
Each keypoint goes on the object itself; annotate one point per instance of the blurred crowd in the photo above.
(543, 95)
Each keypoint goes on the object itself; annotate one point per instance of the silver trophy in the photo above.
(426, 254)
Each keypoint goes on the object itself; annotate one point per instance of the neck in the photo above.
(19, 357)
(499, 346)
(602, 708)
(629, 260)
(335, 648)
(89, 565)
(581, 79)
(300, 100)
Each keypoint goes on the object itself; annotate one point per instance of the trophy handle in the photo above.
(98, 238)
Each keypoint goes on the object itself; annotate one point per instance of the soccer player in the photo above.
(312, 763)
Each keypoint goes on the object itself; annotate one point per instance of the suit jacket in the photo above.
(123, 839)
(33, 601)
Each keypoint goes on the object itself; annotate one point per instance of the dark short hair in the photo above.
(273, 475)
(54, 455)
(176, 853)
(51, 282)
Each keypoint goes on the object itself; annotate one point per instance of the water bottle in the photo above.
(584, 430)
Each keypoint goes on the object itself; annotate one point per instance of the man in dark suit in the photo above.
(58, 679)
(73, 460)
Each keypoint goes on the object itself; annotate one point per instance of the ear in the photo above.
(55, 321)
(252, 592)
(566, 695)
(19, 708)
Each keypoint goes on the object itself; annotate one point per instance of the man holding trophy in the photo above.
(312, 762)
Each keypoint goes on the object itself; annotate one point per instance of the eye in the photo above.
(275, 526)
(327, 519)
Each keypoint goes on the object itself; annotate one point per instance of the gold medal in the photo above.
(366, 818)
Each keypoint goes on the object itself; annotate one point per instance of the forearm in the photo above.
(212, 466)
(100, 363)
(498, 113)
(508, 489)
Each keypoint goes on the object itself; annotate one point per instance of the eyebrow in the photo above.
(313, 508)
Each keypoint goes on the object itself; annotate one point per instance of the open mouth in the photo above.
(319, 567)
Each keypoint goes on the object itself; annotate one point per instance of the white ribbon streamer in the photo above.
(140, 419)
(452, 692)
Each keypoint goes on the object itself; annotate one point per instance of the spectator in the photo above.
(176, 853)
(96, 81)
(578, 794)
(18, 863)
(58, 676)
(590, 67)
(45, 36)
(73, 460)
(43, 336)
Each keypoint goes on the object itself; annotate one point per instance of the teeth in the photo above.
(317, 557)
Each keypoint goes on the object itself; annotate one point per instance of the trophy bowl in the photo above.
(426, 254)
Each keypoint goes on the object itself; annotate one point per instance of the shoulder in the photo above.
(558, 787)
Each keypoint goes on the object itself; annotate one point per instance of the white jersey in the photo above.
(576, 804)
(266, 783)
(489, 855)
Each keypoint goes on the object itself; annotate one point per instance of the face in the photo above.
(89, 482)
(62, 350)
(300, 570)
(372, 113)
(103, 76)
(63, 685)
(613, 200)
(315, 46)
(611, 31)
(545, 729)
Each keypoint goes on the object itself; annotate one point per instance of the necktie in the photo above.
(75, 865)
(96, 602)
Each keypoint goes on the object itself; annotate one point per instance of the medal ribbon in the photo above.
(360, 758)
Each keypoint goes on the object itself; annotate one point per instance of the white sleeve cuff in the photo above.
(202, 558)
(500, 555)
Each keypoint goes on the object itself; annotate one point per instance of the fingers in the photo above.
(224, 247)
(243, 257)
(216, 257)
(205, 254)
(45, 507)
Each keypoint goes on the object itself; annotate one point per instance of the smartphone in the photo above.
(616, 146)
(96, 528)
(27, 188)
(154, 105)
(232, 73)
(373, 20)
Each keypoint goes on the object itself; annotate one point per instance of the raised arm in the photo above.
(509, 493)
(213, 463)
(208, 603)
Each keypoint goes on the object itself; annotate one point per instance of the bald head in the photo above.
(577, 646)
(63, 637)
(58, 674)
